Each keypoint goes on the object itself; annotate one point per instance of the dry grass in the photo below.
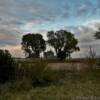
(68, 66)
(76, 84)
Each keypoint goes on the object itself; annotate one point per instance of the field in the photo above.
(79, 84)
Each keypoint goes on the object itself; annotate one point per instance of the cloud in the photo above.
(88, 29)
(15, 50)
(9, 34)
(85, 34)
(17, 17)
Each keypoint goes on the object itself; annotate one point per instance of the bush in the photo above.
(91, 59)
(7, 69)
(40, 74)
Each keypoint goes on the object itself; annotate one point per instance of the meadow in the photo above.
(33, 83)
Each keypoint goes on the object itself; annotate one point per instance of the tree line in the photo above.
(63, 42)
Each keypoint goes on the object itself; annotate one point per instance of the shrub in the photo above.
(91, 58)
(7, 69)
(40, 74)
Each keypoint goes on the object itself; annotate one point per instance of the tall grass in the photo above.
(36, 81)
(39, 74)
(76, 84)
(91, 60)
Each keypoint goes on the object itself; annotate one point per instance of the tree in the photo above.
(97, 34)
(33, 45)
(63, 42)
(7, 66)
(49, 54)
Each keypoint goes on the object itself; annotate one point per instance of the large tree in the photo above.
(63, 42)
(33, 45)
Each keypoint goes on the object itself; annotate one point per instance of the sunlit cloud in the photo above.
(15, 50)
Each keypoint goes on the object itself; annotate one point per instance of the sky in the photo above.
(19, 17)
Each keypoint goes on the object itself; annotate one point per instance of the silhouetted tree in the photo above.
(33, 45)
(97, 34)
(7, 64)
(63, 42)
(61, 54)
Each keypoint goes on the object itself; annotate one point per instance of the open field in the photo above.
(70, 64)
(67, 66)
(75, 86)
(79, 83)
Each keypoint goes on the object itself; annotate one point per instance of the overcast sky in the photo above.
(18, 17)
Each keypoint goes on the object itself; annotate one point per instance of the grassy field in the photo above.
(84, 85)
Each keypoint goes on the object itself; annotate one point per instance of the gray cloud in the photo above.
(85, 34)
(9, 34)
(15, 14)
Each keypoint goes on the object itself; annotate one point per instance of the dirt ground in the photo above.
(67, 66)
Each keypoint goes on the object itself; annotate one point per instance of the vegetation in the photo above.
(34, 79)
(33, 45)
(37, 81)
(76, 85)
(7, 64)
(91, 60)
(97, 34)
(63, 42)
(39, 74)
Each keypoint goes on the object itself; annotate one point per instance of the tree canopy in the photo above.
(63, 42)
(33, 45)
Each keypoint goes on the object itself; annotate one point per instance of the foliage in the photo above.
(97, 34)
(63, 42)
(61, 55)
(33, 45)
(78, 85)
(7, 70)
(40, 74)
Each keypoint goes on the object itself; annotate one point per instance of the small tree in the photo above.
(91, 58)
(7, 70)
(97, 34)
(63, 42)
(33, 45)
